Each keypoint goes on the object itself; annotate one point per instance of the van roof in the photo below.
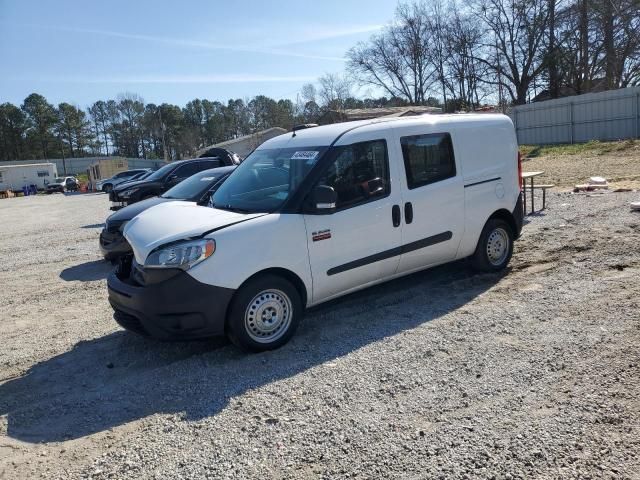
(326, 134)
(28, 165)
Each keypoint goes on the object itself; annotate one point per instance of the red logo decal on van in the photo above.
(321, 235)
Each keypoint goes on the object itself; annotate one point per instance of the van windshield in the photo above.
(266, 179)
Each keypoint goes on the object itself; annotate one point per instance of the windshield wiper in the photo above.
(232, 209)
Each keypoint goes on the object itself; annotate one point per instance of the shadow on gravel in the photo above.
(119, 378)
(93, 225)
(87, 272)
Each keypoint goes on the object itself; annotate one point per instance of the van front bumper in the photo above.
(177, 308)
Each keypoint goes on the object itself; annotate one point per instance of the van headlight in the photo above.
(182, 255)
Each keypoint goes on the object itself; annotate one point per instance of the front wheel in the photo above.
(264, 314)
(495, 246)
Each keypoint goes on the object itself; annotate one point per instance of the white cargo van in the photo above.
(316, 214)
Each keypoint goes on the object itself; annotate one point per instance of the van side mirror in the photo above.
(324, 199)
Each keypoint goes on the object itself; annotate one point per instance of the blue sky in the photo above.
(174, 51)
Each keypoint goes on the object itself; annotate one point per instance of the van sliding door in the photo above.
(432, 198)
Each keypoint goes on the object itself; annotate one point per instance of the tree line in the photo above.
(128, 126)
(449, 53)
(467, 52)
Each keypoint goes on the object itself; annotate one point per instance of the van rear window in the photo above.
(428, 158)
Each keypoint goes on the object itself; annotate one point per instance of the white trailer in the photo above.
(14, 177)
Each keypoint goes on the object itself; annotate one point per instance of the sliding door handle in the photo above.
(408, 212)
(395, 215)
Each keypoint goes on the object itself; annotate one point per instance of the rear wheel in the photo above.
(495, 246)
(264, 314)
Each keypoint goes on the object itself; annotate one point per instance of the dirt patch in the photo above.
(621, 168)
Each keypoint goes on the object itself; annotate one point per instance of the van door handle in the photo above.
(408, 212)
(395, 215)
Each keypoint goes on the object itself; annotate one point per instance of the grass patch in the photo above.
(594, 147)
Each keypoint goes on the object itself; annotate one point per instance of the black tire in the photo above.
(490, 255)
(107, 188)
(284, 300)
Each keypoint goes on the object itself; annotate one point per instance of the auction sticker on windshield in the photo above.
(309, 156)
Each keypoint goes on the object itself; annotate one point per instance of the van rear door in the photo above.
(432, 196)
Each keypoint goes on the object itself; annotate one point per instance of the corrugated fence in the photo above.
(611, 115)
(75, 166)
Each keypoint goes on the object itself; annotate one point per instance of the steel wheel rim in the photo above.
(268, 316)
(497, 246)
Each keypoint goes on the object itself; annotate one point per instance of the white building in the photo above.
(14, 177)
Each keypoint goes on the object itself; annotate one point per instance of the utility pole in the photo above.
(164, 143)
(64, 163)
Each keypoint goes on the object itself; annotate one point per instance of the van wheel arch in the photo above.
(281, 272)
(507, 216)
(496, 240)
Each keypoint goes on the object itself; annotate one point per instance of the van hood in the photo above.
(172, 221)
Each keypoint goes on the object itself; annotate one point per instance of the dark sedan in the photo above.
(165, 178)
(197, 188)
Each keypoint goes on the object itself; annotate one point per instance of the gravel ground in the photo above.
(534, 373)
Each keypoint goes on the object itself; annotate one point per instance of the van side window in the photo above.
(359, 174)
(428, 158)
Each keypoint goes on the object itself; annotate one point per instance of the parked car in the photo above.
(197, 188)
(108, 184)
(227, 156)
(63, 184)
(162, 180)
(314, 215)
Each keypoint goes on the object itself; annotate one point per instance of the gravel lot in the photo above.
(534, 373)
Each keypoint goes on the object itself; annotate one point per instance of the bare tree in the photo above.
(517, 30)
(398, 60)
(464, 72)
(551, 52)
(439, 27)
(335, 89)
(619, 22)
(309, 93)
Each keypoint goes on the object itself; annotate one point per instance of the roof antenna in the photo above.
(302, 126)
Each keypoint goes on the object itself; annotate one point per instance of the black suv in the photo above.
(167, 177)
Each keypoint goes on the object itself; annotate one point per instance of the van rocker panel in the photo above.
(178, 308)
